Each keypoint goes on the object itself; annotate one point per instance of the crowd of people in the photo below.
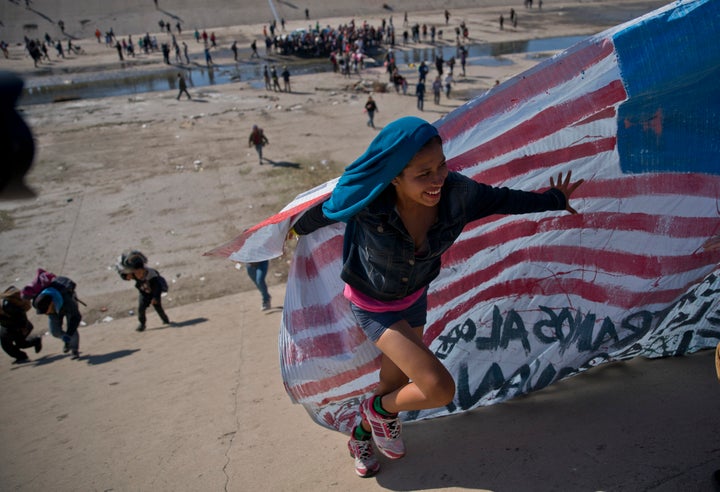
(351, 38)
(346, 46)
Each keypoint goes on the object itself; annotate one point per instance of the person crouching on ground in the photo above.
(58, 301)
(15, 326)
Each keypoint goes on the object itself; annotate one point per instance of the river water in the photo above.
(58, 88)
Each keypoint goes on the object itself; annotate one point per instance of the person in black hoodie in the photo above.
(149, 283)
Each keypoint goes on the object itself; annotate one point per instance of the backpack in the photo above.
(257, 137)
(63, 285)
(163, 283)
(152, 273)
(44, 279)
(41, 281)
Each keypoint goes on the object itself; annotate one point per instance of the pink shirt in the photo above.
(374, 306)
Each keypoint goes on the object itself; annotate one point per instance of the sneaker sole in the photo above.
(367, 474)
(387, 454)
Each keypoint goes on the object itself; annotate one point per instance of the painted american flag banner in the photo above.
(524, 301)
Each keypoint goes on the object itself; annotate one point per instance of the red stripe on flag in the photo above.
(324, 254)
(326, 344)
(693, 185)
(537, 80)
(543, 160)
(606, 113)
(576, 258)
(546, 122)
(322, 385)
(349, 395)
(674, 227)
(310, 317)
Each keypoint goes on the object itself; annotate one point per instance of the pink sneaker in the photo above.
(366, 464)
(385, 431)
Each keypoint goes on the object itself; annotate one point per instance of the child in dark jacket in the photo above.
(148, 282)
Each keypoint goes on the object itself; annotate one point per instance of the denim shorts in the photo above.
(375, 324)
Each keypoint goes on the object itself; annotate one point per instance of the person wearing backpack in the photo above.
(59, 301)
(149, 283)
(15, 326)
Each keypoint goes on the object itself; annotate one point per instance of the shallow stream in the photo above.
(55, 88)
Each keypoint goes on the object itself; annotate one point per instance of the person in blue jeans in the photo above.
(259, 140)
(58, 302)
(371, 108)
(257, 273)
(403, 209)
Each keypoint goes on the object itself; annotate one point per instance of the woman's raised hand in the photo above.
(567, 188)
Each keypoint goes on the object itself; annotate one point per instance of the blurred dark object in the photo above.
(16, 141)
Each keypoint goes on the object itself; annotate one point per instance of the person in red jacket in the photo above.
(259, 140)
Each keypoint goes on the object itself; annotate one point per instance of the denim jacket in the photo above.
(379, 256)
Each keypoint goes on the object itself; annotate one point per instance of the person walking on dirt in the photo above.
(257, 273)
(275, 81)
(437, 90)
(266, 76)
(259, 140)
(149, 283)
(420, 94)
(371, 108)
(182, 85)
(286, 79)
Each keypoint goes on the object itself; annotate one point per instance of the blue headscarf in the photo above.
(372, 172)
(55, 295)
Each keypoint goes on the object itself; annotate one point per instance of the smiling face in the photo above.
(422, 179)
